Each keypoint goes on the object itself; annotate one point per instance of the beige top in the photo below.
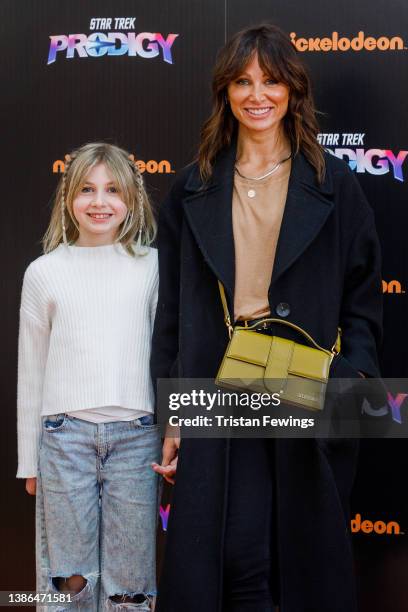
(256, 224)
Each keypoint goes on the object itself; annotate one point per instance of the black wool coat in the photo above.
(326, 274)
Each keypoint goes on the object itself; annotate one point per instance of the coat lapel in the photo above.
(209, 212)
(307, 208)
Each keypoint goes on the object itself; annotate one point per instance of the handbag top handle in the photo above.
(227, 319)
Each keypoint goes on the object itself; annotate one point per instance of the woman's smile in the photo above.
(258, 112)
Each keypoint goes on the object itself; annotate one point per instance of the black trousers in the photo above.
(250, 559)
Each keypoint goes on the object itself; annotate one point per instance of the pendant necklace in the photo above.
(252, 192)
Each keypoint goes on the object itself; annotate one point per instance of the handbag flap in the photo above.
(280, 356)
(309, 362)
(249, 346)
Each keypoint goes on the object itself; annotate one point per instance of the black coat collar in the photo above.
(209, 212)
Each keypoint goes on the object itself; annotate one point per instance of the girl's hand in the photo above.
(31, 486)
(168, 466)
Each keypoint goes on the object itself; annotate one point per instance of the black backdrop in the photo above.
(154, 108)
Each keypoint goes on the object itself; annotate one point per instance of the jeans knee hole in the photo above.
(74, 584)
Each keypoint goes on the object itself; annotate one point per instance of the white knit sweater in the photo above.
(86, 321)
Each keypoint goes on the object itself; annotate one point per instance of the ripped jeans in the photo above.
(97, 510)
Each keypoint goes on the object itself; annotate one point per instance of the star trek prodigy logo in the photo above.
(350, 148)
(113, 36)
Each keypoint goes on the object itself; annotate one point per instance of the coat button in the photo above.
(283, 309)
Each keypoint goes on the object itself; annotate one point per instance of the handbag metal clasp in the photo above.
(229, 326)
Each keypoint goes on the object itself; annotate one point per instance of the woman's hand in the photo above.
(31, 486)
(168, 466)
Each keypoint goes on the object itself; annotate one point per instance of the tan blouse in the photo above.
(256, 224)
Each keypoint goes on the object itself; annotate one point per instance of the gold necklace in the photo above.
(252, 192)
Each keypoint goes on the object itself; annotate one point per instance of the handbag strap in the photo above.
(227, 319)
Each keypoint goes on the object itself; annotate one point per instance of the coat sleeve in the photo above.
(165, 343)
(361, 309)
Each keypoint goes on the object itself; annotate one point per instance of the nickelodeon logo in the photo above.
(357, 525)
(393, 286)
(379, 527)
(151, 166)
(343, 43)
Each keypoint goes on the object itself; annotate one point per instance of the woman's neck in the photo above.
(258, 150)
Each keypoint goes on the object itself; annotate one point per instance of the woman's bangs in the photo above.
(240, 61)
(271, 64)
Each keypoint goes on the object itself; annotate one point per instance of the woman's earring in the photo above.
(226, 101)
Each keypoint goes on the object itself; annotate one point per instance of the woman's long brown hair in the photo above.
(279, 59)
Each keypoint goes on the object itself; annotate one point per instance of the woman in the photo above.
(287, 230)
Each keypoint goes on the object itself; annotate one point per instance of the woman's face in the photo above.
(258, 102)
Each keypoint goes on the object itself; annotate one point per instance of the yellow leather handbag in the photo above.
(270, 364)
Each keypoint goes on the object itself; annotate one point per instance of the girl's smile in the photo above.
(99, 217)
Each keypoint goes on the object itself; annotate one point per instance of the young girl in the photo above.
(86, 432)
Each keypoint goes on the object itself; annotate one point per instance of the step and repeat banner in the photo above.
(138, 74)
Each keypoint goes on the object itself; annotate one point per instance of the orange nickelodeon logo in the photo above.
(393, 286)
(58, 166)
(343, 43)
(151, 166)
(379, 527)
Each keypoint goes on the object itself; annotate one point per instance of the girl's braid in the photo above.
(68, 161)
(140, 196)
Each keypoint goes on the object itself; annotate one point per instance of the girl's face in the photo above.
(258, 102)
(99, 208)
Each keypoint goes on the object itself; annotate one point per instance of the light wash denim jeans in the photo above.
(97, 500)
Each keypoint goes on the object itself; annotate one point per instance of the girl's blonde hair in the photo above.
(139, 220)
